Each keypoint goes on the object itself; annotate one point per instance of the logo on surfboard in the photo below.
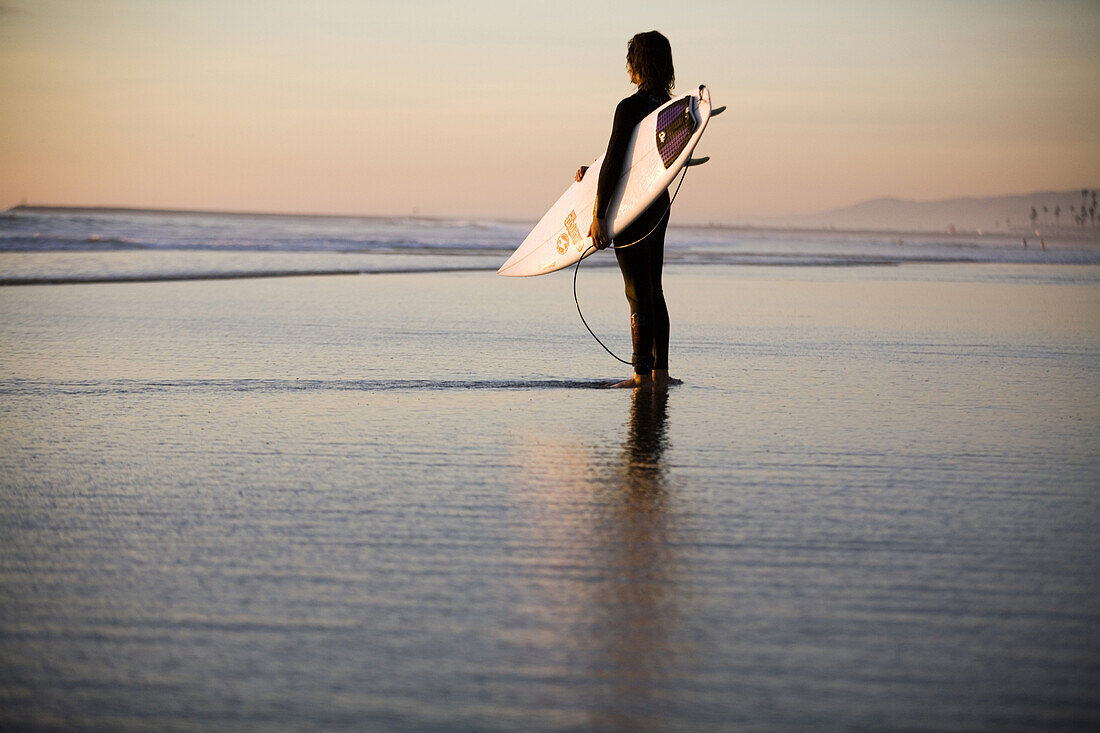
(572, 230)
(563, 243)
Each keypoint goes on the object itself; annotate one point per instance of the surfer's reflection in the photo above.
(645, 444)
(606, 576)
(639, 604)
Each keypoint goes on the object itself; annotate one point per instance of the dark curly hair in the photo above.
(650, 56)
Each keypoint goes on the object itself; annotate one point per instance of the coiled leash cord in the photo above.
(577, 269)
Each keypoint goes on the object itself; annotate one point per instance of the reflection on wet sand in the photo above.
(638, 601)
(610, 583)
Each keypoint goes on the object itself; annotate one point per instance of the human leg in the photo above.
(634, 265)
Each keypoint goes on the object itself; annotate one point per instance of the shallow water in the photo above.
(42, 245)
(404, 501)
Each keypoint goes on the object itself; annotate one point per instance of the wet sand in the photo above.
(403, 502)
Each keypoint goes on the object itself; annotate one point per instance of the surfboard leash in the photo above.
(577, 269)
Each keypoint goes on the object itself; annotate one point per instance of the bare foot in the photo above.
(638, 381)
(662, 381)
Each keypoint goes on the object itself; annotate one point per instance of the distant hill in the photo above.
(996, 213)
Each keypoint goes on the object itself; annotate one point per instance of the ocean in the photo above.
(298, 473)
(52, 246)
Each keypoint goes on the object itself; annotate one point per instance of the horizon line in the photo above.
(746, 226)
(121, 208)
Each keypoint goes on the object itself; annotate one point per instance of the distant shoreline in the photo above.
(1088, 236)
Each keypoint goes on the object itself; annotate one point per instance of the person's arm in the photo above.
(610, 171)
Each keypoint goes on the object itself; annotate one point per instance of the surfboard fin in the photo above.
(717, 111)
(696, 161)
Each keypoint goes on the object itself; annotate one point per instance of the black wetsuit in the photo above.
(640, 263)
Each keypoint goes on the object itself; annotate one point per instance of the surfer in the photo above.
(649, 64)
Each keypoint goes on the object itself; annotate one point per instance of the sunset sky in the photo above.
(485, 109)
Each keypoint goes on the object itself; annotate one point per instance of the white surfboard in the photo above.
(660, 147)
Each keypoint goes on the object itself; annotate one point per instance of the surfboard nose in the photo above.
(509, 269)
(509, 263)
(511, 272)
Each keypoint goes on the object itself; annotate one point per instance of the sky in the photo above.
(486, 109)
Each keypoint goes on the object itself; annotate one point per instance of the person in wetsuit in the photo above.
(649, 63)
